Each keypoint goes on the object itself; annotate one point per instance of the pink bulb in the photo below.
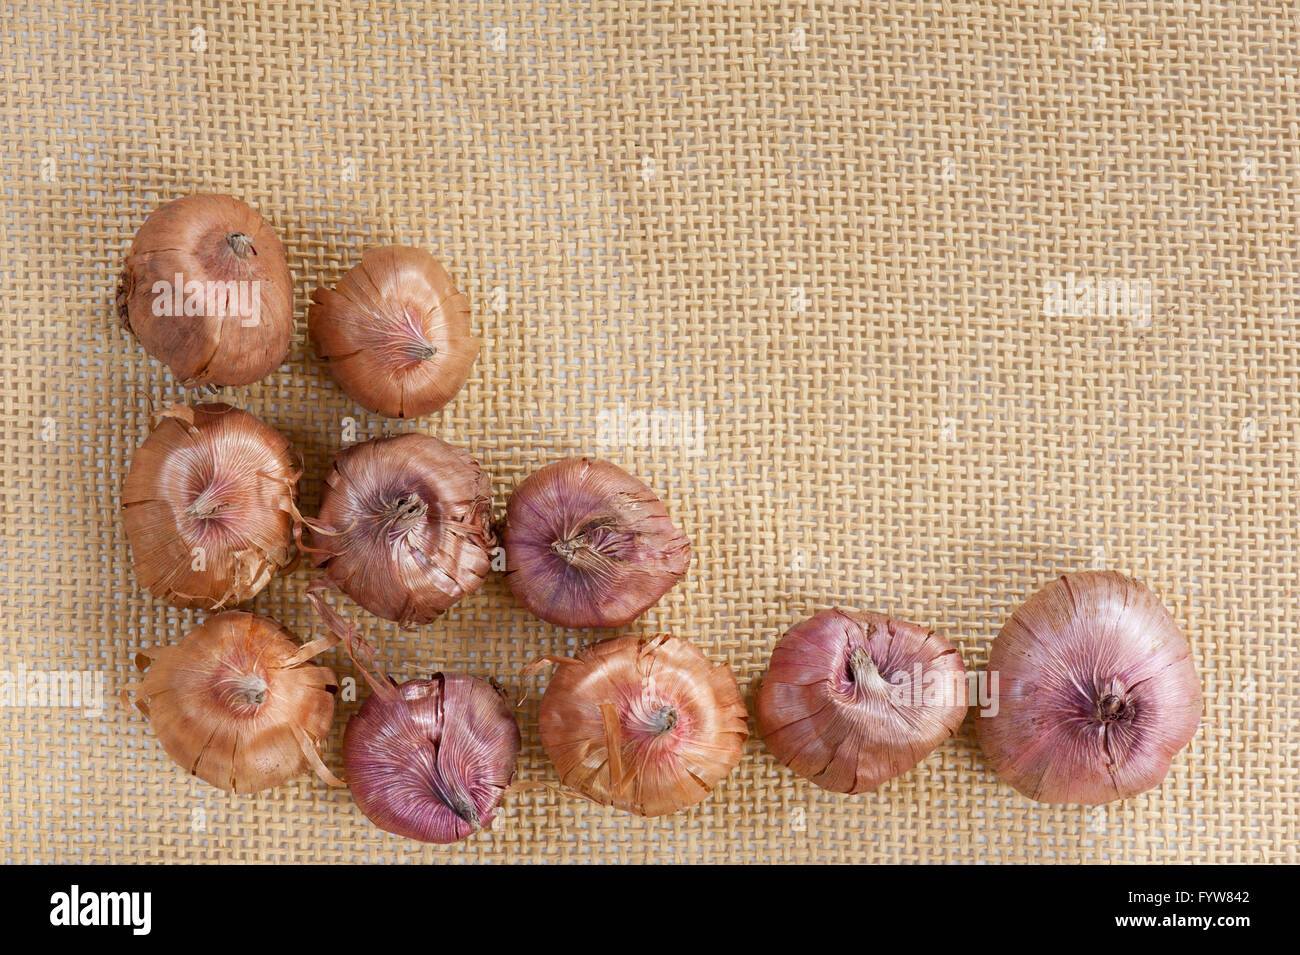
(1097, 692)
(851, 700)
(431, 759)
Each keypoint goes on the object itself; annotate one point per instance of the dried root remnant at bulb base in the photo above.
(645, 725)
(842, 704)
(1098, 692)
(224, 265)
(588, 545)
(403, 527)
(238, 704)
(208, 506)
(396, 332)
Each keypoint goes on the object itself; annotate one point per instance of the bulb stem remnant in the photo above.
(240, 244)
(584, 548)
(450, 787)
(415, 348)
(567, 549)
(403, 513)
(464, 808)
(207, 504)
(1112, 708)
(577, 551)
(204, 512)
(862, 669)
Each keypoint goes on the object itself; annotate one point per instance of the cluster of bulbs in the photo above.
(1099, 691)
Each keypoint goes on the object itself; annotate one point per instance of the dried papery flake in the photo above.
(396, 332)
(207, 291)
(208, 505)
(851, 700)
(432, 760)
(404, 526)
(236, 703)
(589, 545)
(1097, 692)
(647, 725)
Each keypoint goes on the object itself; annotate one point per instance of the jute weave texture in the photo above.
(824, 274)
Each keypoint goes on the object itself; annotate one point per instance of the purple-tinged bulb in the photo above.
(432, 759)
(851, 700)
(1097, 692)
(588, 545)
(403, 527)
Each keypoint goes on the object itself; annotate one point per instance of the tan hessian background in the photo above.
(815, 245)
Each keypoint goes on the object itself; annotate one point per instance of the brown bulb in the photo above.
(208, 506)
(647, 725)
(588, 545)
(396, 332)
(206, 290)
(236, 703)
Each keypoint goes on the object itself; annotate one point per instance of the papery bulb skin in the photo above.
(646, 725)
(396, 332)
(588, 545)
(235, 704)
(432, 760)
(1097, 692)
(229, 318)
(851, 700)
(208, 505)
(404, 526)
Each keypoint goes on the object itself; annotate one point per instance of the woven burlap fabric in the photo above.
(813, 271)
